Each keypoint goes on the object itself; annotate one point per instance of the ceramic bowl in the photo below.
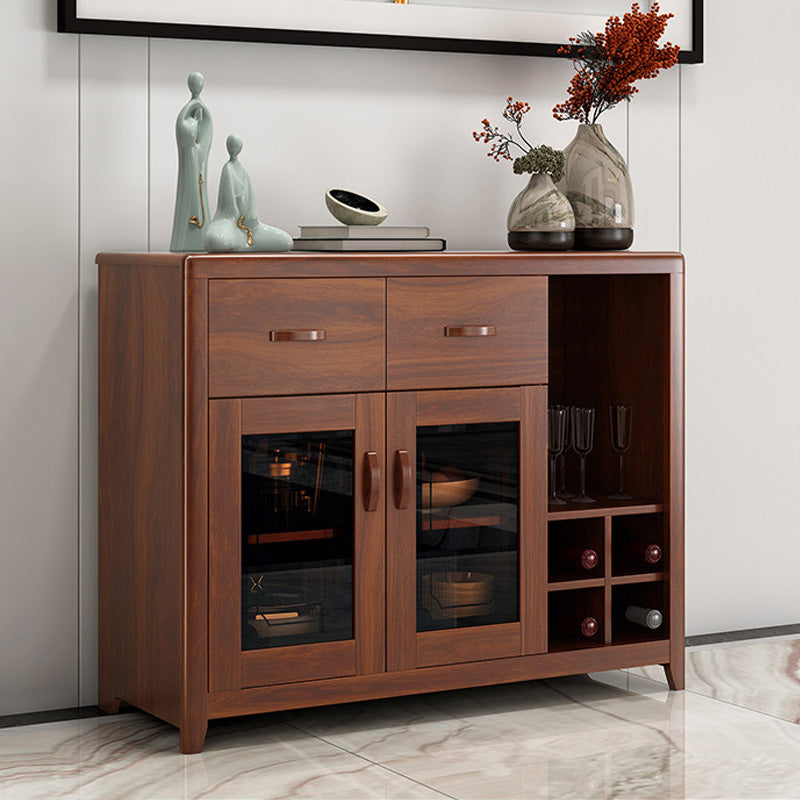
(446, 488)
(354, 209)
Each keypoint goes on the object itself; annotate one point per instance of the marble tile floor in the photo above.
(761, 674)
(612, 735)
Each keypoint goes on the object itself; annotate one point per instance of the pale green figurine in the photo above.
(235, 227)
(194, 130)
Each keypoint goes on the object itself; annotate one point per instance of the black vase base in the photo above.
(603, 238)
(541, 240)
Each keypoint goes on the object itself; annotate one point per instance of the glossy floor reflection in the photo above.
(761, 674)
(614, 735)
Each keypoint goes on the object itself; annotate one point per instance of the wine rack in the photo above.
(618, 580)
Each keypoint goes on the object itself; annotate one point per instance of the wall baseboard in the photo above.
(736, 636)
(56, 715)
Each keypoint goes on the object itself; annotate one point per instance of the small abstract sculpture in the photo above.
(235, 227)
(194, 130)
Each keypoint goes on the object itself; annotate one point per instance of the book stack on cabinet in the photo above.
(367, 239)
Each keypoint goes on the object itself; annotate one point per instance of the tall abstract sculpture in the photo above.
(194, 130)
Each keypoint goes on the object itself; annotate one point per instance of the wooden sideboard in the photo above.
(323, 478)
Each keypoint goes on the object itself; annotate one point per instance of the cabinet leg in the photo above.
(675, 672)
(193, 736)
(109, 705)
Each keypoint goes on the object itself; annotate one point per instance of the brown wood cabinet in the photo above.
(324, 478)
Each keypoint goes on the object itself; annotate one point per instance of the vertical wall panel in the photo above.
(113, 210)
(653, 152)
(38, 361)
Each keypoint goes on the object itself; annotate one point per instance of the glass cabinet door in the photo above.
(467, 491)
(466, 571)
(296, 539)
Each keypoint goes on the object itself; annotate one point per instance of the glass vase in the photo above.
(598, 185)
(540, 218)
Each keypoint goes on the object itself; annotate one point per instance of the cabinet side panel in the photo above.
(675, 672)
(140, 487)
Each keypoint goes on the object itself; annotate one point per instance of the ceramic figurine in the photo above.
(194, 130)
(235, 227)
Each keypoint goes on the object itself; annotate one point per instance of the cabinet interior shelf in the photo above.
(581, 583)
(290, 536)
(643, 577)
(603, 508)
(431, 523)
(593, 583)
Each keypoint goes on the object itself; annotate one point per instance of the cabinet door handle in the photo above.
(470, 330)
(318, 335)
(372, 481)
(402, 479)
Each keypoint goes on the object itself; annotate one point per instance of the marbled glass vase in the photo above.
(598, 185)
(540, 218)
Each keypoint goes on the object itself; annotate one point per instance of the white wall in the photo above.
(38, 361)
(739, 220)
(93, 168)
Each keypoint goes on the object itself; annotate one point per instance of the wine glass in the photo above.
(582, 442)
(561, 461)
(556, 441)
(621, 417)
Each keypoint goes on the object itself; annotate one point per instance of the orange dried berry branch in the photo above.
(501, 142)
(607, 64)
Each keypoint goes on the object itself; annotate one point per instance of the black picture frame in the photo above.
(70, 22)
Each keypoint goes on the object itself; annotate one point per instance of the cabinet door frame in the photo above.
(406, 647)
(230, 667)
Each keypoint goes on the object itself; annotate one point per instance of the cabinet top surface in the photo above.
(449, 263)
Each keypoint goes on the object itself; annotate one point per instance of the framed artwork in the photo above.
(511, 27)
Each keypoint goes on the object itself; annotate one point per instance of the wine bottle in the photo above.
(643, 553)
(574, 557)
(646, 617)
(652, 554)
(589, 627)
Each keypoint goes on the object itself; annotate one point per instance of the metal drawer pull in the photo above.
(372, 481)
(318, 335)
(470, 330)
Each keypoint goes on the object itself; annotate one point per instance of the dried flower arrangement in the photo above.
(608, 64)
(537, 160)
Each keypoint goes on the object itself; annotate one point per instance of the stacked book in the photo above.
(367, 238)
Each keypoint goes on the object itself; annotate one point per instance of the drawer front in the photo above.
(458, 332)
(303, 336)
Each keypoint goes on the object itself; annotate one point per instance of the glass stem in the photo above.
(562, 467)
(583, 476)
(620, 490)
(553, 477)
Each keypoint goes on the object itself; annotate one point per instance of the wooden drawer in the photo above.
(454, 332)
(295, 336)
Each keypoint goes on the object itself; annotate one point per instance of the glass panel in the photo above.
(297, 538)
(467, 528)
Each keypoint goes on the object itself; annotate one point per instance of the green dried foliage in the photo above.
(541, 159)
